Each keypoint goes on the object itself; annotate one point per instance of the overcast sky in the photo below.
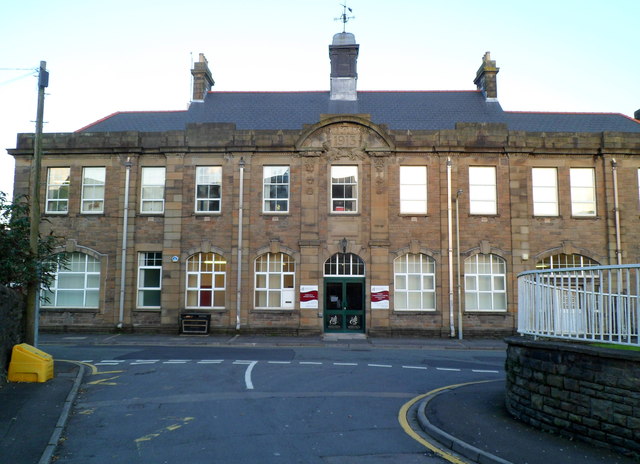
(116, 55)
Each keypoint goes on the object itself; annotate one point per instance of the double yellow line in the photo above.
(404, 423)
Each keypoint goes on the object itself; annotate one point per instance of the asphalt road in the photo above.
(199, 404)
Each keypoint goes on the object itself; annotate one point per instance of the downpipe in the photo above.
(125, 232)
(452, 330)
(616, 210)
(458, 286)
(239, 264)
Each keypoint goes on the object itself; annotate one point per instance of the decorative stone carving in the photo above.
(309, 165)
(334, 154)
(379, 164)
(345, 136)
(344, 139)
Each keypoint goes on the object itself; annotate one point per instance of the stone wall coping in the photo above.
(575, 347)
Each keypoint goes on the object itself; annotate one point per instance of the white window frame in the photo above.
(274, 275)
(79, 267)
(413, 190)
(581, 189)
(148, 262)
(93, 187)
(58, 186)
(483, 191)
(209, 177)
(338, 181)
(206, 267)
(275, 189)
(344, 265)
(414, 280)
(488, 269)
(152, 191)
(544, 185)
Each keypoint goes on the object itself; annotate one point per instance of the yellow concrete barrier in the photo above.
(29, 364)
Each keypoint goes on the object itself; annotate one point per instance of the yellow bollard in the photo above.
(29, 364)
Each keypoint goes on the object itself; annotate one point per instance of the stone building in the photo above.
(342, 211)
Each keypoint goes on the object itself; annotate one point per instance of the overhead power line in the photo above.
(18, 78)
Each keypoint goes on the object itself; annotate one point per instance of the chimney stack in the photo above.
(486, 80)
(202, 79)
(343, 53)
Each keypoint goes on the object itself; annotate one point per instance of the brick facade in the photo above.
(311, 233)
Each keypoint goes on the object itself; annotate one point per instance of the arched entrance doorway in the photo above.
(344, 297)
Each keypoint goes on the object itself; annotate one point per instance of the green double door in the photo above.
(344, 304)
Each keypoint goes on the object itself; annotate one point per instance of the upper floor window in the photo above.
(93, 180)
(274, 281)
(544, 183)
(485, 283)
(344, 189)
(206, 281)
(413, 189)
(208, 189)
(482, 190)
(76, 283)
(152, 198)
(58, 190)
(275, 192)
(149, 279)
(414, 282)
(583, 192)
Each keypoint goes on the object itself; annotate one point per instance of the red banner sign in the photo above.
(309, 296)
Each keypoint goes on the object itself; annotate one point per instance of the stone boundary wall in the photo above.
(11, 326)
(576, 390)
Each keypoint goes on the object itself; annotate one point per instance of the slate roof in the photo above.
(143, 121)
(418, 110)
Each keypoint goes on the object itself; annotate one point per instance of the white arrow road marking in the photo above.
(247, 373)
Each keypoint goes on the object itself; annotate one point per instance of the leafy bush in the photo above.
(19, 265)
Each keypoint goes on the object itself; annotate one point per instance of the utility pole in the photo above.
(33, 290)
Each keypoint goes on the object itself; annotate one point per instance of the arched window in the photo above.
(206, 281)
(563, 260)
(414, 282)
(344, 264)
(485, 283)
(76, 283)
(274, 281)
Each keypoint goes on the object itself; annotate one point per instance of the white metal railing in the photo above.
(595, 303)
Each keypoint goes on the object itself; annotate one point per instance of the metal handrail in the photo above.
(592, 303)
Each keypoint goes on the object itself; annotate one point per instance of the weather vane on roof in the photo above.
(343, 17)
